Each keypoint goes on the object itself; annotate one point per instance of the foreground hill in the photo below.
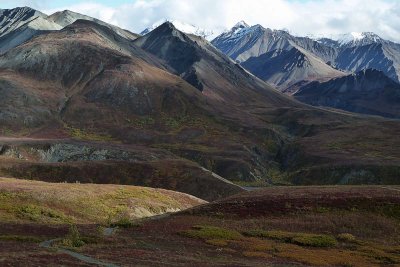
(369, 91)
(50, 203)
(280, 226)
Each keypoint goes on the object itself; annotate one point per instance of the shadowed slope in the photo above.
(199, 63)
(369, 91)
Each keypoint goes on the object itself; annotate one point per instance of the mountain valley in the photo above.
(275, 148)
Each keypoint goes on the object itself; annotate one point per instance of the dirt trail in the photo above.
(107, 232)
(391, 188)
(48, 244)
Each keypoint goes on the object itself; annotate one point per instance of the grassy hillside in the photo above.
(61, 203)
(285, 226)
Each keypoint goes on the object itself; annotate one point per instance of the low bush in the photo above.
(302, 239)
(346, 237)
(277, 235)
(212, 232)
(124, 222)
(314, 240)
(38, 213)
(73, 238)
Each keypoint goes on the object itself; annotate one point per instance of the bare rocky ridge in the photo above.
(383, 56)
(18, 25)
(67, 17)
(285, 69)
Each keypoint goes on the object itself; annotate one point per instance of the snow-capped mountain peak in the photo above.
(350, 39)
(184, 27)
(358, 38)
(241, 24)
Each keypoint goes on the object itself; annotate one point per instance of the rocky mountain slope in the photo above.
(277, 57)
(204, 67)
(381, 56)
(368, 91)
(111, 92)
(360, 51)
(287, 69)
(20, 24)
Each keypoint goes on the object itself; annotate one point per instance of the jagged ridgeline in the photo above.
(289, 61)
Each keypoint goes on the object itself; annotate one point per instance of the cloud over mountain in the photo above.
(325, 16)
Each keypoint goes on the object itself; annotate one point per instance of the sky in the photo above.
(300, 17)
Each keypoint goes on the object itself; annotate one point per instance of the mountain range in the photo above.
(294, 60)
(187, 110)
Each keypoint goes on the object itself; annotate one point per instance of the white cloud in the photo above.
(37, 4)
(300, 17)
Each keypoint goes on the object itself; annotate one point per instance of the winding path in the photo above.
(390, 188)
(48, 244)
(107, 232)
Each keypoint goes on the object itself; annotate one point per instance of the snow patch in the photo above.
(350, 39)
